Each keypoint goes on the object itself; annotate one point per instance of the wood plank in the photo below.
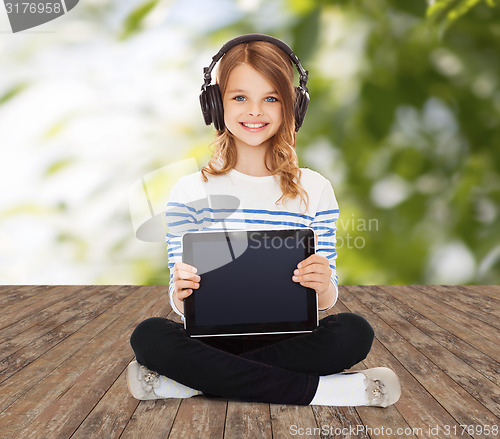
(415, 410)
(492, 291)
(482, 309)
(339, 422)
(36, 371)
(485, 330)
(252, 420)
(34, 342)
(457, 402)
(480, 296)
(474, 358)
(80, 390)
(13, 294)
(24, 330)
(7, 290)
(55, 385)
(468, 378)
(20, 321)
(152, 419)
(155, 417)
(63, 416)
(293, 421)
(199, 418)
(411, 297)
(36, 303)
(110, 416)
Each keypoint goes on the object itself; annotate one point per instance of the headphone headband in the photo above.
(207, 71)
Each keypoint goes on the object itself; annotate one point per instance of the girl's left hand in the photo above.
(314, 272)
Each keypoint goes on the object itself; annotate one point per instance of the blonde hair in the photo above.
(275, 65)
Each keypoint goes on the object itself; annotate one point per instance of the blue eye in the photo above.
(239, 98)
(271, 99)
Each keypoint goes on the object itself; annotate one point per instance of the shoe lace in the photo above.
(150, 377)
(376, 388)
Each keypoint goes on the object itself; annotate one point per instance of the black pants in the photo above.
(280, 369)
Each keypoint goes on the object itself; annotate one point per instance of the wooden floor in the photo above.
(64, 351)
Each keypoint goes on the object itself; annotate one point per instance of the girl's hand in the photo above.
(185, 280)
(314, 272)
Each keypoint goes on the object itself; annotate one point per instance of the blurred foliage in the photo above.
(134, 20)
(444, 12)
(426, 110)
(12, 92)
(404, 121)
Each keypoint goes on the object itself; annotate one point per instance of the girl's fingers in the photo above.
(185, 275)
(313, 268)
(185, 267)
(184, 283)
(185, 280)
(307, 272)
(313, 277)
(181, 295)
(184, 288)
(184, 271)
(314, 260)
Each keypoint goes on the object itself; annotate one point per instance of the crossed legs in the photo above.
(275, 369)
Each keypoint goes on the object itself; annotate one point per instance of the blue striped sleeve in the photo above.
(324, 224)
(182, 218)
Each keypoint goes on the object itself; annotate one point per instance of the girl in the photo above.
(256, 112)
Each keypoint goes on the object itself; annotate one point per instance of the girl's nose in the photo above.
(254, 110)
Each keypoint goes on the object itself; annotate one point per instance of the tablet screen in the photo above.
(246, 282)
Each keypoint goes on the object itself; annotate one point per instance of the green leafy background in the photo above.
(403, 120)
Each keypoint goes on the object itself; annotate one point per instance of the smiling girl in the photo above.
(257, 114)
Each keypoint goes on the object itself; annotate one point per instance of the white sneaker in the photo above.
(144, 384)
(382, 386)
(141, 381)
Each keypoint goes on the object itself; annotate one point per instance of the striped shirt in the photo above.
(248, 203)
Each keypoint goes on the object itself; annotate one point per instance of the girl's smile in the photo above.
(253, 127)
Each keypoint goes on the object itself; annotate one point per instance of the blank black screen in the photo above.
(252, 285)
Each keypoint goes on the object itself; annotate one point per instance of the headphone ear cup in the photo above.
(217, 107)
(205, 107)
(211, 106)
(301, 104)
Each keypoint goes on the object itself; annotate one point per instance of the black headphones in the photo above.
(211, 99)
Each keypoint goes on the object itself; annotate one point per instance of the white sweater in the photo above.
(189, 209)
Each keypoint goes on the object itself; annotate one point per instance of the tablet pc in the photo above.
(246, 282)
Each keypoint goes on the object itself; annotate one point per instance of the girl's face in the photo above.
(252, 109)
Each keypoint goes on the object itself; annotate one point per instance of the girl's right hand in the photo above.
(185, 280)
